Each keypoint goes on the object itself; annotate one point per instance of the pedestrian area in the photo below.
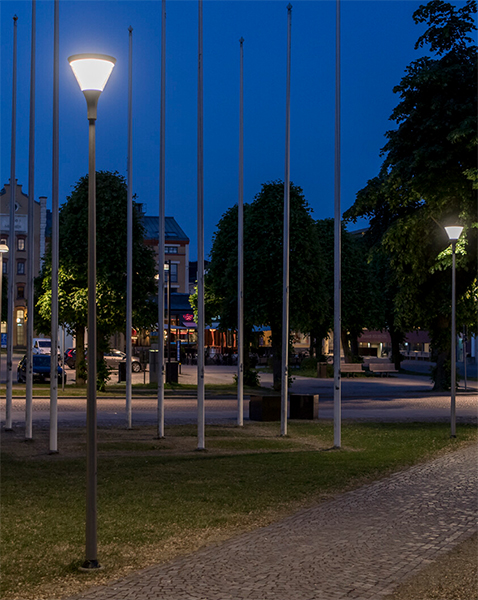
(360, 545)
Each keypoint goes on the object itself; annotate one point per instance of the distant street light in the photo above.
(167, 270)
(3, 250)
(92, 72)
(453, 234)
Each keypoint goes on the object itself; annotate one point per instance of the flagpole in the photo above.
(286, 245)
(200, 225)
(54, 240)
(129, 241)
(161, 227)
(31, 245)
(11, 237)
(240, 250)
(337, 247)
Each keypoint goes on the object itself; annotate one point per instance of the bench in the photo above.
(382, 368)
(350, 368)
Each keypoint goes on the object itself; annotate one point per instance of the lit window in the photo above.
(21, 244)
(20, 292)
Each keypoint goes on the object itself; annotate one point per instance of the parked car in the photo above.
(112, 357)
(41, 368)
(41, 346)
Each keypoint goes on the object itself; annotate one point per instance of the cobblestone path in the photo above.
(360, 545)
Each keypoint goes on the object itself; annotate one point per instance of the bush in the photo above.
(250, 378)
(309, 363)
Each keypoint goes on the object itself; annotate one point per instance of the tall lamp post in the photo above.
(92, 72)
(454, 233)
(167, 268)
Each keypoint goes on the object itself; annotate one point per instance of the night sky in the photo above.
(378, 40)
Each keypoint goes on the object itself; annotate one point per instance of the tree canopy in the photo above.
(429, 180)
(111, 241)
(263, 266)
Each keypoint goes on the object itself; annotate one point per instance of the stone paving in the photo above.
(360, 545)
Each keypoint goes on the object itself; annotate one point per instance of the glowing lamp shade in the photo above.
(92, 71)
(454, 232)
(3, 248)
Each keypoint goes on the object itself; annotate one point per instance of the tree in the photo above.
(429, 179)
(111, 241)
(361, 297)
(263, 266)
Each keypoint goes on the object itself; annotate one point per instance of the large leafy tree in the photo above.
(263, 266)
(111, 242)
(429, 179)
(361, 298)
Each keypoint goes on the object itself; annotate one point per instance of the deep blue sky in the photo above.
(378, 37)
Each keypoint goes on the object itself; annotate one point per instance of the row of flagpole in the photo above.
(161, 241)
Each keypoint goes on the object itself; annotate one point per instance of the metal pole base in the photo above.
(90, 566)
(453, 436)
(53, 452)
(201, 449)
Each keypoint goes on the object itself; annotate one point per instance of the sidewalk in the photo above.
(360, 545)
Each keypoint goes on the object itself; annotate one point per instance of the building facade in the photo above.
(19, 246)
(176, 250)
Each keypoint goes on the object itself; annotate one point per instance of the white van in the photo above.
(41, 346)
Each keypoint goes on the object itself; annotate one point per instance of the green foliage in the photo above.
(428, 180)
(111, 243)
(250, 378)
(263, 266)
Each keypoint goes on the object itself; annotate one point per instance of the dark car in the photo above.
(112, 357)
(41, 368)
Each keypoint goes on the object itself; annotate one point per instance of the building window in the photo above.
(171, 250)
(173, 269)
(21, 244)
(20, 292)
(5, 267)
(20, 268)
(4, 240)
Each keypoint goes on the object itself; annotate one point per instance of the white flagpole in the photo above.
(129, 242)
(11, 238)
(161, 228)
(54, 241)
(286, 245)
(337, 248)
(240, 250)
(31, 245)
(200, 225)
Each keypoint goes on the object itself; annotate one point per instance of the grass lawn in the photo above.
(161, 498)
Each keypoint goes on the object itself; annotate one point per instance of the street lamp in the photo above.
(454, 233)
(92, 72)
(167, 269)
(3, 250)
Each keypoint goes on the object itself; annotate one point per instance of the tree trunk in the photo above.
(80, 354)
(442, 374)
(345, 346)
(396, 338)
(276, 359)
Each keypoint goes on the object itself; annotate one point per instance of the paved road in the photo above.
(360, 545)
(402, 397)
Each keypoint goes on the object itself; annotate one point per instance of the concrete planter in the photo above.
(304, 406)
(265, 408)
